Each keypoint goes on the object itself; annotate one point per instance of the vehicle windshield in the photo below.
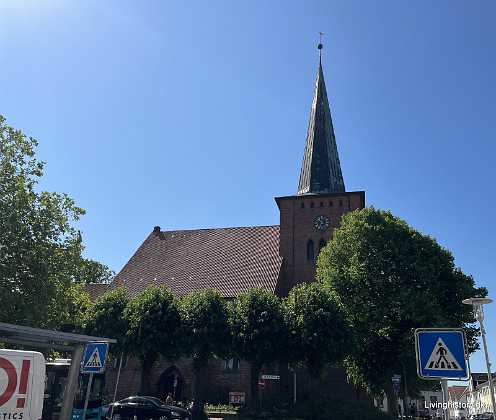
(157, 401)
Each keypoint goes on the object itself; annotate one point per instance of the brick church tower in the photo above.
(308, 219)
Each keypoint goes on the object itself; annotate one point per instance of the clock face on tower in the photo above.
(321, 223)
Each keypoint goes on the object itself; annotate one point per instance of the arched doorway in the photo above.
(171, 381)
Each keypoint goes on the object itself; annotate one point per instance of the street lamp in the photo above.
(479, 314)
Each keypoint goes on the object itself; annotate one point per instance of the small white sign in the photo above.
(237, 398)
(271, 377)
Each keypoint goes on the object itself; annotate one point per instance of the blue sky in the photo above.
(193, 114)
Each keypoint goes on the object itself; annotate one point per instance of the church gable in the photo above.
(231, 260)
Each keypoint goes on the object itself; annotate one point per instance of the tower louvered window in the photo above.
(310, 251)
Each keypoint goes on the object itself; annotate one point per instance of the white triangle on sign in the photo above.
(94, 361)
(441, 358)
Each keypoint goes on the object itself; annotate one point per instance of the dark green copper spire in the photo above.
(320, 170)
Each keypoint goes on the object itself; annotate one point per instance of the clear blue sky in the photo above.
(193, 114)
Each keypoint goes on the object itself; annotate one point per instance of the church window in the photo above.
(321, 204)
(115, 361)
(310, 251)
(331, 203)
(311, 204)
(231, 364)
(302, 205)
(340, 203)
(322, 244)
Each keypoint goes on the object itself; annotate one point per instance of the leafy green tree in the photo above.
(318, 333)
(206, 334)
(106, 319)
(258, 332)
(71, 308)
(90, 271)
(40, 250)
(389, 279)
(154, 329)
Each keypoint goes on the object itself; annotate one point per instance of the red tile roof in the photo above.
(231, 260)
(95, 290)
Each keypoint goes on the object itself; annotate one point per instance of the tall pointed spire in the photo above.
(320, 170)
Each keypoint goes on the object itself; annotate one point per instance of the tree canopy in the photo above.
(154, 328)
(259, 332)
(40, 249)
(318, 333)
(205, 334)
(106, 319)
(389, 279)
(204, 319)
(91, 271)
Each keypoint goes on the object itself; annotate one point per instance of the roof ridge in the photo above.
(220, 228)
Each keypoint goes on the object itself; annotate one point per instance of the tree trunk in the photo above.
(314, 380)
(254, 374)
(146, 374)
(200, 371)
(406, 397)
(392, 400)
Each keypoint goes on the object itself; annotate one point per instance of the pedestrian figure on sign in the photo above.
(441, 351)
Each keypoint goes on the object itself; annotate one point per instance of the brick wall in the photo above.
(297, 216)
(332, 384)
(219, 380)
(222, 381)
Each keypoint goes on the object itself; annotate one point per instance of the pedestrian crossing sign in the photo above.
(441, 354)
(94, 358)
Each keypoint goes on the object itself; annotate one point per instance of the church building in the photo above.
(234, 260)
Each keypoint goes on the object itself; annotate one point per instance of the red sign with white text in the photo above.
(22, 384)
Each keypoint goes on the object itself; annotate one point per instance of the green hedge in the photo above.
(324, 410)
(338, 410)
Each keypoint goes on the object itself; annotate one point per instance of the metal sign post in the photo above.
(294, 386)
(87, 397)
(116, 385)
(396, 380)
(444, 389)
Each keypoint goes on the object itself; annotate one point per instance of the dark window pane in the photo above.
(310, 250)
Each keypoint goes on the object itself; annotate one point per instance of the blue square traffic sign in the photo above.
(94, 358)
(441, 353)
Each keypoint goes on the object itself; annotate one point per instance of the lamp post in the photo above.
(479, 314)
(471, 382)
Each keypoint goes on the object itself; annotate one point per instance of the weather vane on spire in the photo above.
(319, 46)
